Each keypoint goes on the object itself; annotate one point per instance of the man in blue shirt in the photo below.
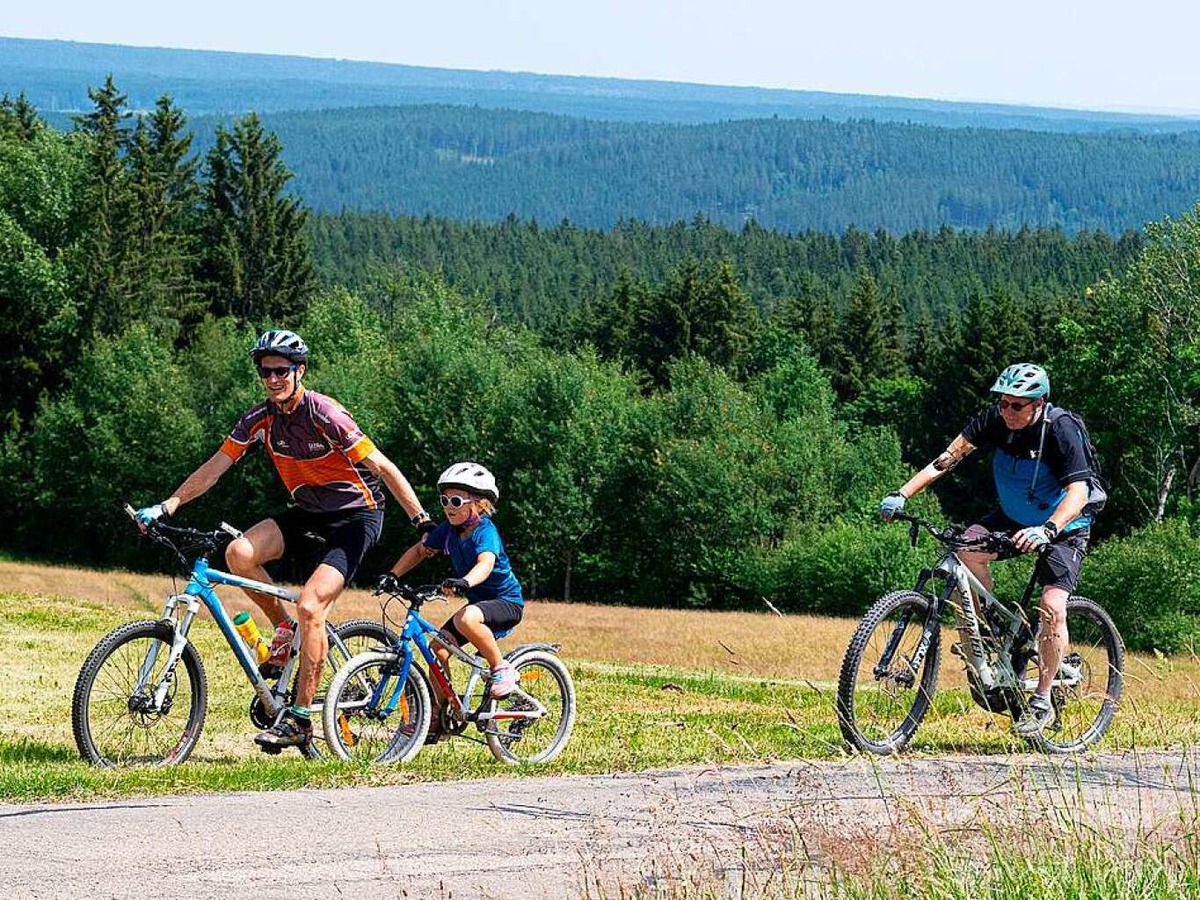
(1048, 495)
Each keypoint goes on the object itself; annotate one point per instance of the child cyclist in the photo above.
(468, 536)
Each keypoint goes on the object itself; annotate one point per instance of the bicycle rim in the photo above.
(359, 636)
(356, 720)
(882, 697)
(116, 723)
(544, 679)
(1085, 704)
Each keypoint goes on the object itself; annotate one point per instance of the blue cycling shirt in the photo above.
(464, 554)
(1062, 462)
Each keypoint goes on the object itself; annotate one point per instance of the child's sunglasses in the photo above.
(454, 502)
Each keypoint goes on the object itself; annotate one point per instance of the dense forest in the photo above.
(543, 276)
(55, 76)
(692, 429)
(470, 163)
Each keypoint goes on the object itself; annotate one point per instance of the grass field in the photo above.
(655, 687)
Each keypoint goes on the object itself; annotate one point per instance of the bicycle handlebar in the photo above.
(989, 542)
(179, 539)
(415, 597)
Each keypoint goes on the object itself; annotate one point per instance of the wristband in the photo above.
(419, 517)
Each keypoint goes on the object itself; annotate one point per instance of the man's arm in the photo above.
(960, 448)
(397, 484)
(1071, 506)
(199, 481)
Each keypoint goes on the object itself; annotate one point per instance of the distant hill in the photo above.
(56, 74)
(468, 163)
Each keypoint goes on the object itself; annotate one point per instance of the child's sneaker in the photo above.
(504, 680)
(281, 649)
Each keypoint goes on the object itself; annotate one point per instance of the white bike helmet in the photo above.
(470, 477)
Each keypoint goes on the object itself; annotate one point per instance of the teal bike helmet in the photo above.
(1023, 380)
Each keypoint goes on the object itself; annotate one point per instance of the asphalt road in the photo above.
(558, 837)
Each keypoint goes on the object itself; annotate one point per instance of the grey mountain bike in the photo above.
(890, 671)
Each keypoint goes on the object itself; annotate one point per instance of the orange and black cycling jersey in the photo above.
(318, 450)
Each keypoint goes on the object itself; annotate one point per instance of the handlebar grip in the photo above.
(130, 511)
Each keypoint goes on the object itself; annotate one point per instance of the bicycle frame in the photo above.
(419, 631)
(180, 611)
(961, 580)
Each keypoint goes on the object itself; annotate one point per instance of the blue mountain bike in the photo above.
(378, 707)
(141, 695)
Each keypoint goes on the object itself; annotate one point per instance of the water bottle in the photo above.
(248, 629)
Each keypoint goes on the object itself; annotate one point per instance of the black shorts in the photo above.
(501, 616)
(339, 539)
(1060, 565)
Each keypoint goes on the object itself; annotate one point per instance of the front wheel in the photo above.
(1087, 691)
(357, 636)
(544, 685)
(114, 712)
(887, 681)
(356, 718)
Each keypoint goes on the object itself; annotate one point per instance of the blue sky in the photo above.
(1095, 55)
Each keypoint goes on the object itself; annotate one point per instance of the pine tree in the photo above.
(258, 263)
(105, 281)
(165, 212)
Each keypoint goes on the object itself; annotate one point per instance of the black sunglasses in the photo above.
(1014, 405)
(454, 502)
(266, 372)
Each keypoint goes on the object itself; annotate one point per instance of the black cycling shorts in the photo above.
(500, 616)
(1060, 565)
(341, 539)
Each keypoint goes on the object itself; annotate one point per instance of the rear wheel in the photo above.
(545, 684)
(356, 717)
(1088, 690)
(882, 694)
(118, 723)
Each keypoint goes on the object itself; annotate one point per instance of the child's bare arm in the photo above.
(481, 570)
(412, 557)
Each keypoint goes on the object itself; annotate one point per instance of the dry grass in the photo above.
(655, 688)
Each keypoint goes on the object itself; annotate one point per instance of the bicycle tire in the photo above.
(354, 730)
(884, 719)
(359, 636)
(1085, 712)
(108, 676)
(540, 740)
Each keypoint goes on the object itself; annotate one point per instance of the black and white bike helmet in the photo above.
(279, 342)
(470, 477)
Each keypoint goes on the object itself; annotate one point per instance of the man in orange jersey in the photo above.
(333, 472)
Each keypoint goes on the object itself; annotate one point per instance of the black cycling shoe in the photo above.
(290, 731)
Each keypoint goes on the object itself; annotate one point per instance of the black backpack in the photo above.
(1097, 489)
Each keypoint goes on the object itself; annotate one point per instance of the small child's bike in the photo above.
(378, 706)
(141, 695)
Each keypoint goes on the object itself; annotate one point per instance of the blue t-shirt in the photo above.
(464, 554)
(1016, 460)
